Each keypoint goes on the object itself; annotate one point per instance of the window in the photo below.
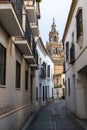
(43, 93)
(57, 80)
(65, 88)
(46, 92)
(55, 38)
(72, 37)
(18, 68)
(79, 23)
(36, 93)
(67, 51)
(44, 69)
(48, 71)
(26, 79)
(72, 54)
(56, 51)
(2, 64)
(69, 86)
(52, 92)
(63, 81)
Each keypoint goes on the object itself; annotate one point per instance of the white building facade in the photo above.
(44, 76)
(75, 46)
(18, 61)
(49, 78)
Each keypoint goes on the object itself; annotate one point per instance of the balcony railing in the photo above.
(42, 75)
(72, 54)
(34, 51)
(43, 70)
(18, 4)
(59, 62)
(36, 58)
(28, 32)
(11, 10)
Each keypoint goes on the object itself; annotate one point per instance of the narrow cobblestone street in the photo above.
(54, 117)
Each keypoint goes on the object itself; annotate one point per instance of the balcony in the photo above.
(24, 43)
(11, 17)
(35, 29)
(72, 54)
(43, 71)
(42, 76)
(31, 13)
(38, 10)
(58, 62)
(33, 18)
(35, 64)
(33, 58)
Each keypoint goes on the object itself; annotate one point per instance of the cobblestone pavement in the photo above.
(54, 117)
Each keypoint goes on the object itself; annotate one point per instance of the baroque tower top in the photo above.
(53, 29)
(53, 34)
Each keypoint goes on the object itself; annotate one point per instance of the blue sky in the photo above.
(50, 9)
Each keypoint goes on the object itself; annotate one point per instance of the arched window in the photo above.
(56, 50)
(55, 38)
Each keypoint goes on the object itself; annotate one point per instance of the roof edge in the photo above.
(72, 8)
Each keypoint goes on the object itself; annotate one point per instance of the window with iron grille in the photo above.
(46, 92)
(26, 79)
(72, 54)
(44, 68)
(36, 93)
(43, 93)
(79, 24)
(2, 64)
(73, 37)
(69, 86)
(65, 88)
(52, 92)
(18, 74)
(67, 51)
(48, 71)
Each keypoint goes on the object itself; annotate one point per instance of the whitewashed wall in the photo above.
(76, 101)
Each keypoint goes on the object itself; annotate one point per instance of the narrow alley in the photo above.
(54, 117)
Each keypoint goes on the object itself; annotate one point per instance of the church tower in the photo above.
(55, 49)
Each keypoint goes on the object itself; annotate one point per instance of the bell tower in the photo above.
(55, 49)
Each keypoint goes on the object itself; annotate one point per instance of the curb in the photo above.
(29, 121)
